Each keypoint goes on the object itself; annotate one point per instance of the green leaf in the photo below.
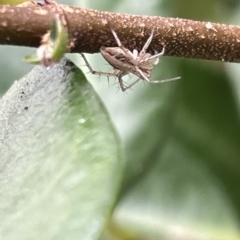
(59, 39)
(55, 45)
(33, 59)
(60, 157)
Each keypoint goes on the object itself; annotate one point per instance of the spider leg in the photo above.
(96, 72)
(146, 45)
(164, 80)
(156, 81)
(120, 80)
(116, 38)
(126, 51)
(158, 54)
(122, 84)
(129, 86)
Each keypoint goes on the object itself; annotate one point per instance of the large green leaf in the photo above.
(60, 158)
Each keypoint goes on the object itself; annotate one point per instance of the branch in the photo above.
(24, 26)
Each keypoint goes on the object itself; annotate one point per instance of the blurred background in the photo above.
(182, 138)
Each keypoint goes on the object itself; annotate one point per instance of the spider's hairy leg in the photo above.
(164, 80)
(146, 45)
(129, 86)
(158, 54)
(120, 80)
(116, 38)
(96, 72)
(125, 50)
(156, 81)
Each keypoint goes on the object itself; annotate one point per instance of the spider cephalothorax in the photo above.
(124, 62)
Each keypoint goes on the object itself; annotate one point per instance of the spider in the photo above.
(124, 62)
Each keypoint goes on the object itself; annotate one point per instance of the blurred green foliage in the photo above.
(13, 2)
(181, 139)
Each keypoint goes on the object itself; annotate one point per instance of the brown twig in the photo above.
(89, 30)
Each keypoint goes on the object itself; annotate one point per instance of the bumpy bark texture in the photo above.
(89, 30)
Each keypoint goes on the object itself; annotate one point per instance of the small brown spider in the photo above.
(124, 61)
